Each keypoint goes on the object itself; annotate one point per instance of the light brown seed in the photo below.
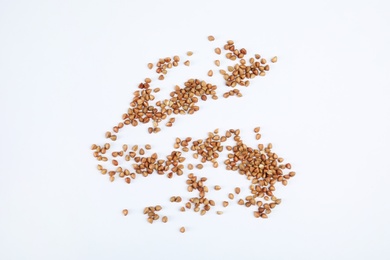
(189, 53)
(210, 73)
(211, 38)
(217, 51)
(258, 136)
(257, 129)
(231, 196)
(148, 147)
(237, 190)
(150, 65)
(199, 166)
(182, 230)
(164, 219)
(219, 212)
(225, 203)
(217, 187)
(274, 59)
(217, 63)
(187, 63)
(125, 212)
(161, 77)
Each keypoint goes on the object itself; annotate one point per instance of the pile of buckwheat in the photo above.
(260, 165)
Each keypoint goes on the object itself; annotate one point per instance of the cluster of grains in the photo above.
(183, 100)
(244, 70)
(164, 64)
(209, 148)
(152, 214)
(145, 109)
(262, 167)
(200, 203)
(259, 165)
(136, 162)
(241, 73)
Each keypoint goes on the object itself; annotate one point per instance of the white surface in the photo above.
(67, 73)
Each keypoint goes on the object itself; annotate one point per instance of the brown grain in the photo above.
(211, 38)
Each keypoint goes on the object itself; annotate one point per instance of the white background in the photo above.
(67, 73)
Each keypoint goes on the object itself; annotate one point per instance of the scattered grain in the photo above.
(125, 212)
(211, 38)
